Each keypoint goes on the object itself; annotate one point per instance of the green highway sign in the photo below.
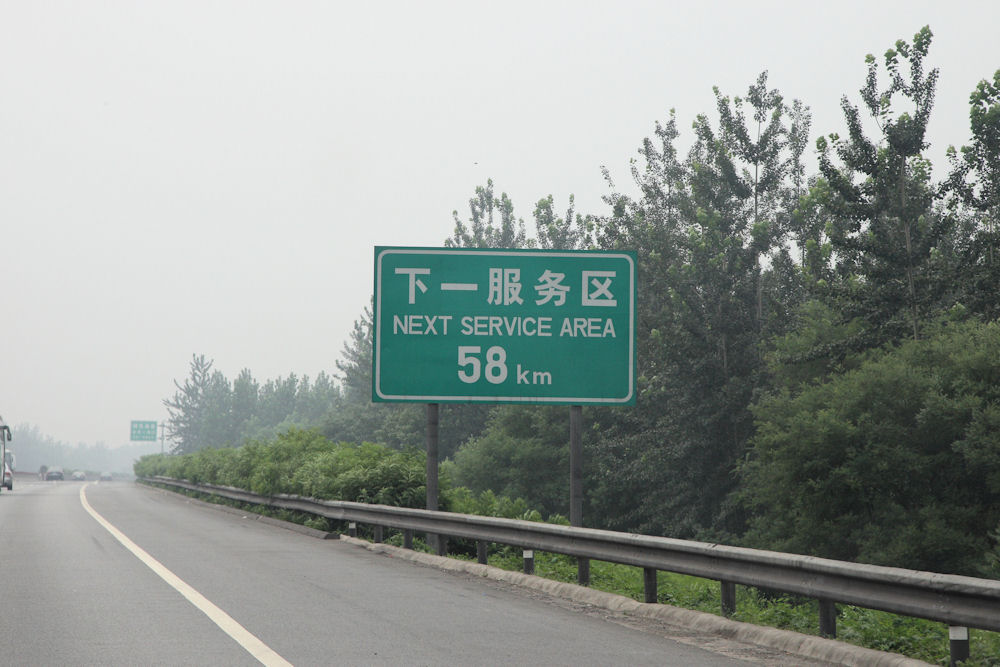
(504, 326)
(143, 431)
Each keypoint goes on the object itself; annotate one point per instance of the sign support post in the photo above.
(436, 542)
(576, 484)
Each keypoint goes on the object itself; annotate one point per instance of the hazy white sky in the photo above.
(211, 176)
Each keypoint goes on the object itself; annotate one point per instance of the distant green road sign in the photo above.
(143, 431)
(504, 326)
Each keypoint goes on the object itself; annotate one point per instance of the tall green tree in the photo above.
(702, 227)
(210, 411)
(759, 143)
(355, 364)
(278, 398)
(491, 224)
(188, 408)
(562, 233)
(245, 402)
(975, 182)
(315, 399)
(355, 418)
(886, 228)
(218, 426)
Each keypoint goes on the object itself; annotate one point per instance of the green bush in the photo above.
(305, 463)
(893, 463)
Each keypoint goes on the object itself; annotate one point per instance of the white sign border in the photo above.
(562, 400)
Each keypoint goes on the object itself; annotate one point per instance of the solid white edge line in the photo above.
(254, 646)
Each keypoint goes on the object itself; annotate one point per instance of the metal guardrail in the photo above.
(952, 599)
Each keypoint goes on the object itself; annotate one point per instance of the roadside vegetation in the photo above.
(306, 463)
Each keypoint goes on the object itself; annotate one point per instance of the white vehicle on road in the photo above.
(8, 464)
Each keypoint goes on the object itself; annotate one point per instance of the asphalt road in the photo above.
(218, 589)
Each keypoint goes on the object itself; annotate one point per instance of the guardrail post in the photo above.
(377, 534)
(529, 561)
(649, 584)
(828, 618)
(481, 553)
(407, 539)
(728, 598)
(583, 571)
(958, 640)
(352, 529)
(442, 545)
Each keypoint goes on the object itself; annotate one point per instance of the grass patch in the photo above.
(913, 637)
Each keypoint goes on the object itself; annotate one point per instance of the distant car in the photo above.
(8, 477)
(54, 473)
(79, 476)
(107, 477)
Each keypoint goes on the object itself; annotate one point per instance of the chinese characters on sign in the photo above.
(504, 326)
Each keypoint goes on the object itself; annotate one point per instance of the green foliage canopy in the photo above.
(896, 462)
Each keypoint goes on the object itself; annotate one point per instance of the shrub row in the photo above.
(305, 463)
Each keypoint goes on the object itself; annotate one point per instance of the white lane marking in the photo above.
(254, 646)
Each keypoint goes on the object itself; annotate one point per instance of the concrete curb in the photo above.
(807, 646)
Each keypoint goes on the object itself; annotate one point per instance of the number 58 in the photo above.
(470, 365)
